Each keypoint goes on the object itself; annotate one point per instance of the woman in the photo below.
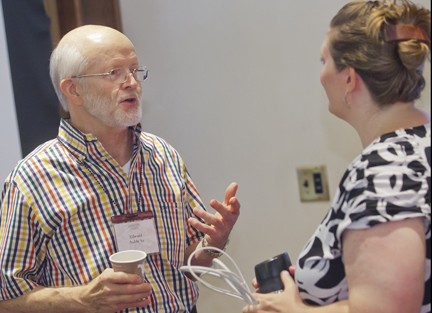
(371, 253)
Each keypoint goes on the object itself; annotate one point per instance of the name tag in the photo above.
(136, 231)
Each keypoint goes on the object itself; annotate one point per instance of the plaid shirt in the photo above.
(56, 209)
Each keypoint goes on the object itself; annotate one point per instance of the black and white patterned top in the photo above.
(389, 181)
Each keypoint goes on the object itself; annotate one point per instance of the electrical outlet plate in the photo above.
(313, 183)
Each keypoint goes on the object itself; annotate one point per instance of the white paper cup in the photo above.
(129, 261)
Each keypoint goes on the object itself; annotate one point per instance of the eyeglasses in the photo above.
(121, 75)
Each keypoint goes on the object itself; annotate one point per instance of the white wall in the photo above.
(234, 86)
(9, 138)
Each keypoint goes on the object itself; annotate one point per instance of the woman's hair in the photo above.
(66, 60)
(390, 65)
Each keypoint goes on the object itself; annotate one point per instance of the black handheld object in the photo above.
(268, 272)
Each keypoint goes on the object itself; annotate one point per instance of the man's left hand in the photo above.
(218, 226)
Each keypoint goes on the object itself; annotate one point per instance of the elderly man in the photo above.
(62, 205)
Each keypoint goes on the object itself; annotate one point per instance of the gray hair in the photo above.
(66, 60)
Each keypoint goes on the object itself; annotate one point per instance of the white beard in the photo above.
(100, 107)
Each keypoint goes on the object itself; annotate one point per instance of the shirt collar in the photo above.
(78, 142)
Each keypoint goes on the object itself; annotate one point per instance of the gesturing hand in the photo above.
(219, 225)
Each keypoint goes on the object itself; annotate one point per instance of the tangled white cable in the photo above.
(235, 280)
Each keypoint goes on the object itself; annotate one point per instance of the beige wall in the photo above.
(9, 138)
(234, 86)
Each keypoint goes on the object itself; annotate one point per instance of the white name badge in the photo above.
(136, 231)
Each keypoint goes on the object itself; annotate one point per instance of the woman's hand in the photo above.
(288, 301)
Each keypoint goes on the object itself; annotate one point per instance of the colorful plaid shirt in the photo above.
(56, 209)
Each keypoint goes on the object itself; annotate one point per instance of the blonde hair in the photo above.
(391, 70)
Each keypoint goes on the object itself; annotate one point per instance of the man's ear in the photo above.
(70, 90)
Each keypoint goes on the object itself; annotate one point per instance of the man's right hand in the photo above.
(109, 292)
(114, 291)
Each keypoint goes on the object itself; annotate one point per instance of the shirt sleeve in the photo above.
(388, 183)
(19, 245)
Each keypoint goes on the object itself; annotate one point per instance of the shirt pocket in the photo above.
(170, 225)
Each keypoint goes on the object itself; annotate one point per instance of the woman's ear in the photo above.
(351, 79)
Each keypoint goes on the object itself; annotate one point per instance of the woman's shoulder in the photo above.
(400, 147)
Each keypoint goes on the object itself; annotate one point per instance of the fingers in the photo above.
(121, 300)
(130, 300)
(128, 290)
(230, 192)
(249, 309)
(142, 289)
(233, 206)
(275, 302)
(115, 291)
(230, 199)
(219, 225)
(206, 216)
(120, 284)
(110, 276)
(230, 204)
(255, 283)
(253, 308)
(291, 270)
(287, 280)
(133, 293)
(204, 228)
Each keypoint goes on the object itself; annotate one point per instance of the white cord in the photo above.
(235, 280)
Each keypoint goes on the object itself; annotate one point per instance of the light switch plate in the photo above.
(313, 183)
